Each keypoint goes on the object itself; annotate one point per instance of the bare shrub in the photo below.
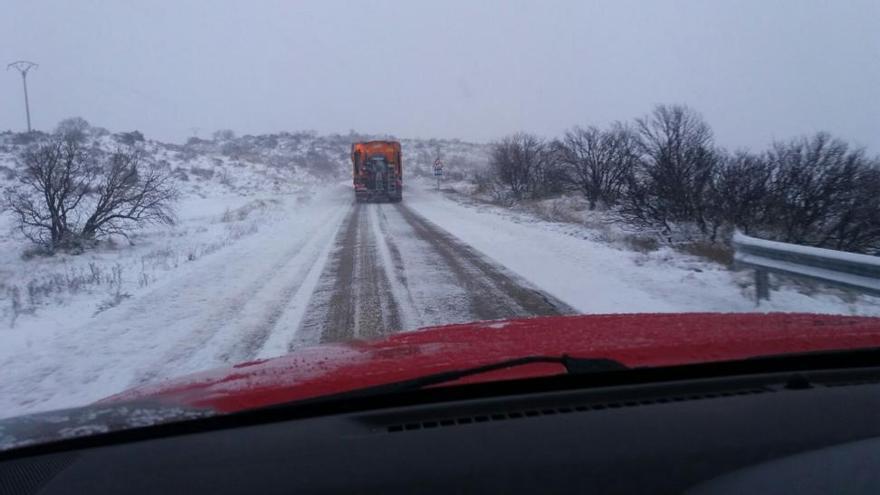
(524, 165)
(74, 129)
(741, 189)
(674, 181)
(549, 178)
(824, 194)
(130, 193)
(598, 161)
(145, 278)
(39, 290)
(165, 257)
(56, 178)
(483, 182)
(201, 249)
(115, 299)
(68, 194)
(513, 161)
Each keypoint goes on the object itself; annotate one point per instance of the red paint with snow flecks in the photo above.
(635, 340)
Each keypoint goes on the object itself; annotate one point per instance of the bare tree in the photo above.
(667, 173)
(742, 191)
(55, 179)
(67, 195)
(824, 194)
(814, 191)
(598, 161)
(74, 129)
(549, 175)
(130, 193)
(674, 181)
(856, 226)
(515, 160)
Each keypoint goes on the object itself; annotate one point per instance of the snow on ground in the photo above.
(255, 227)
(232, 280)
(68, 287)
(245, 291)
(189, 321)
(566, 261)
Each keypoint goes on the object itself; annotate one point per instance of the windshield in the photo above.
(188, 187)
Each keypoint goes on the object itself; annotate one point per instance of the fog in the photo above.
(757, 70)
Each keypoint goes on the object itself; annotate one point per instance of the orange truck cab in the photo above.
(377, 169)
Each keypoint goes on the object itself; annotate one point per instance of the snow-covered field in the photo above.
(191, 319)
(265, 259)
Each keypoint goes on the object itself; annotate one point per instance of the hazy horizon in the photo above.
(757, 71)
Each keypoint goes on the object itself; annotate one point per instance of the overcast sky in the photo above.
(757, 70)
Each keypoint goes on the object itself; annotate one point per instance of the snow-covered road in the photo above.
(391, 269)
(333, 270)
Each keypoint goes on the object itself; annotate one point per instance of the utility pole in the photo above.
(23, 66)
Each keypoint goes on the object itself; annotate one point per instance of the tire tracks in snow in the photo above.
(251, 313)
(393, 270)
(354, 298)
(292, 285)
(493, 292)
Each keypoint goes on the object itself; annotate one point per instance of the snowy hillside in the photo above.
(275, 162)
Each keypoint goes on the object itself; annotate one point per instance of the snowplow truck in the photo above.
(378, 171)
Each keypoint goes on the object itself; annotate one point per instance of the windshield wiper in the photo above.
(572, 365)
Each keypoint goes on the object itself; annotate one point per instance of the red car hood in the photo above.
(634, 340)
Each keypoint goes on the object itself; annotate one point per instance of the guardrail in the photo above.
(860, 272)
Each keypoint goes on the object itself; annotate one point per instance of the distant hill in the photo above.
(268, 162)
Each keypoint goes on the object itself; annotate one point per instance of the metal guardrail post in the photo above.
(762, 285)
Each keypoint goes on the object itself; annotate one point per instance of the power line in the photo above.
(23, 66)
